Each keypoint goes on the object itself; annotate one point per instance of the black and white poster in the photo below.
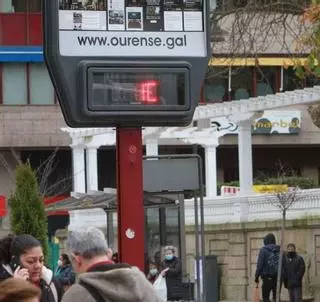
(134, 16)
(116, 15)
(82, 15)
(153, 15)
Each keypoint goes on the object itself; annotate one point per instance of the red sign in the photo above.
(3, 206)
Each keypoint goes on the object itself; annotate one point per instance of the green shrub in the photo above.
(27, 215)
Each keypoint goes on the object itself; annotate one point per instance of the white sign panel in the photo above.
(272, 122)
(132, 28)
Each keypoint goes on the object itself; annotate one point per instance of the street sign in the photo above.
(128, 63)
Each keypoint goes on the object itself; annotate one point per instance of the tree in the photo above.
(27, 212)
(283, 200)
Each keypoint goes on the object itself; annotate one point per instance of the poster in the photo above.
(134, 16)
(172, 5)
(153, 16)
(173, 21)
(192, 21)
(116, 15)
(82, 15)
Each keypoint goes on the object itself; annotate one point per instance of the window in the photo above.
(266, 80)
(290, 80)
(216, 85)
(241, 83)
(41, 89)
(14, 84)
(20, 6)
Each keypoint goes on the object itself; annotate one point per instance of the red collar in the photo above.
(90, 268)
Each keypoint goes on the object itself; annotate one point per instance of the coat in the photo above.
(173, 277)
(66, 275)
(112, 283)
(51, 289)
(293, 271)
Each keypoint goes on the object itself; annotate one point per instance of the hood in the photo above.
(121, 285)
(46, 274)
(269, 239)
(272, 247)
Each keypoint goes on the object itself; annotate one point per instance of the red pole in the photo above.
(130, 196)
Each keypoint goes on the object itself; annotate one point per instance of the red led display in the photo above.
(148, 92)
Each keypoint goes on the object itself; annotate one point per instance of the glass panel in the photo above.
(140, 89)
(34, 6)
(216, 85)
(266, 80)
(6, 6)
(21, 6)
(14, 84)
(241, 83)
(172, 228)
(41, 89)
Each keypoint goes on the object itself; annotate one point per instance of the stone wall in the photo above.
(237, 247)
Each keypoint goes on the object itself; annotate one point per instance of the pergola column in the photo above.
(92, 168)
(78, 169)
(211, 169)
(245, 157)
(152, 147)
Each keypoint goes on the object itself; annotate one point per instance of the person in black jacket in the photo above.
(293, 271)
(22, 257)
(267, 267)
(171, 270)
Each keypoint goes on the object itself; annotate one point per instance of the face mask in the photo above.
(291, 254)
(169, 257)
(59, 262)
(153, 271)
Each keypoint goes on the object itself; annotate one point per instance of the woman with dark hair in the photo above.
(22, 257)
(18, 290)
(65, 273)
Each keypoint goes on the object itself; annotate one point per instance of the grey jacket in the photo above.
(115, 285)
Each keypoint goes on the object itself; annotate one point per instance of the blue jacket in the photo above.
(66, 275)
(262, 265)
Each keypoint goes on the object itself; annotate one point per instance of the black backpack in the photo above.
(273, 262)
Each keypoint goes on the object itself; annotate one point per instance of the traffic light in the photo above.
(114, 67)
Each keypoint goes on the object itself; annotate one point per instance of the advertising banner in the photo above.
(272, 122)
(139, 28)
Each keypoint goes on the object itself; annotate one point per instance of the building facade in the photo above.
(30, 117)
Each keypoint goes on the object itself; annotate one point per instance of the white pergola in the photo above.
(86, 141)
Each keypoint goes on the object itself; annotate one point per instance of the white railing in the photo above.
(231, 209)
(222, 209)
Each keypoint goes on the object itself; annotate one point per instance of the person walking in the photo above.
(99, 278)
(267, 267)
(293, 271)
(171, 270)
(22, 257)
(18, 290)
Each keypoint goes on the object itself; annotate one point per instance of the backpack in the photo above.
(273, 262)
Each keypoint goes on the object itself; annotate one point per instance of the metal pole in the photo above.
(196, 226)
(203, 248)
(130, 196)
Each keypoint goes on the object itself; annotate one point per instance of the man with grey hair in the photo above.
(101, 280)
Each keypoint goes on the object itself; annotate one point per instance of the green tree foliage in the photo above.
(27, 211)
